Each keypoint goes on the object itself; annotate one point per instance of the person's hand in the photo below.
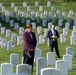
(53, 37)
(29, 54)
(56, 37)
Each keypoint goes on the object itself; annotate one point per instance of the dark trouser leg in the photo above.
(30, 60)
(56, 49)
(24, 57)
(51, 48)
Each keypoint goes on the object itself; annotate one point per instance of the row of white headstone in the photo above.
(8, 32)
(44, 13)
(41, 40)
(10, 44)
(73, 37)
(25, 4)
(42, 64)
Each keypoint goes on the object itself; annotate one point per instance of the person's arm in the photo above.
(26, 45)
(48, 35)
(25, 40)
(57, 34)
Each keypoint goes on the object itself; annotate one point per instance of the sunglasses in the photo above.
(29, 27)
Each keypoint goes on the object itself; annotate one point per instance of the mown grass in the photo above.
(60, 5)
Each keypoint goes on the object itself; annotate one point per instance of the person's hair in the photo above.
(28, 25)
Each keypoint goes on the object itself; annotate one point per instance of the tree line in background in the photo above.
(69, 0)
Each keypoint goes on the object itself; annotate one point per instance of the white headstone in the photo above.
(28, 22)
(19, 40)
(23, 20)
(50, 14)
(40, 8)
(41, 15)
(22, 60)
(70, 50)
(18, 17)
(54, 20)
(23, 13)
(73, 40)
(68, 58)
(28, 15)
(65, 31)
(19, 12)
(3, 17)
(21, 30)
(1, 4)
(14, 59)
(13, 14)
(15, 8)
(38, 20)
(24, 68)
(60, 22)
(47, 41)
(57, 28)
(45, 32)
(37, 14)
(16, 26)
(41, 39)
(6, 69)
(74, 28)
(48, 4)
(41, 63)
(62, 38)
(12, 4)
(58, 12)
(24, 4)
(64, 14)
(47, 17)
(3, 43)
(11, 23)
(50, 71)
(13, 37)
(45, 12)
(28, 8)
(49, 25)
(3, 30)
(9, 45)
(38, 53)
(32, 12)
(7, 19)
(36, 4)
(33, 17)
(67, 24)
(39, 30)
(33, 25)
(53, 8)
(73, 33)
(8, 33)
(3, 9)
(50, 59)
(44, 23)
(75, 22)
(0, 40)
(62, 65)
(0, 25)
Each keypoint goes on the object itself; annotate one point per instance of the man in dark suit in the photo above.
(53, 35)
(29, 39)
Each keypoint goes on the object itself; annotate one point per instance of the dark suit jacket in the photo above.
(28, 42)
(49, 35)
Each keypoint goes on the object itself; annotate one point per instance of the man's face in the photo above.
(53, 27)
(30, 29)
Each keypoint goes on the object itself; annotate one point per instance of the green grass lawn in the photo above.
(60, 5)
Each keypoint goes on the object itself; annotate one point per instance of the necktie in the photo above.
(31, 36)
